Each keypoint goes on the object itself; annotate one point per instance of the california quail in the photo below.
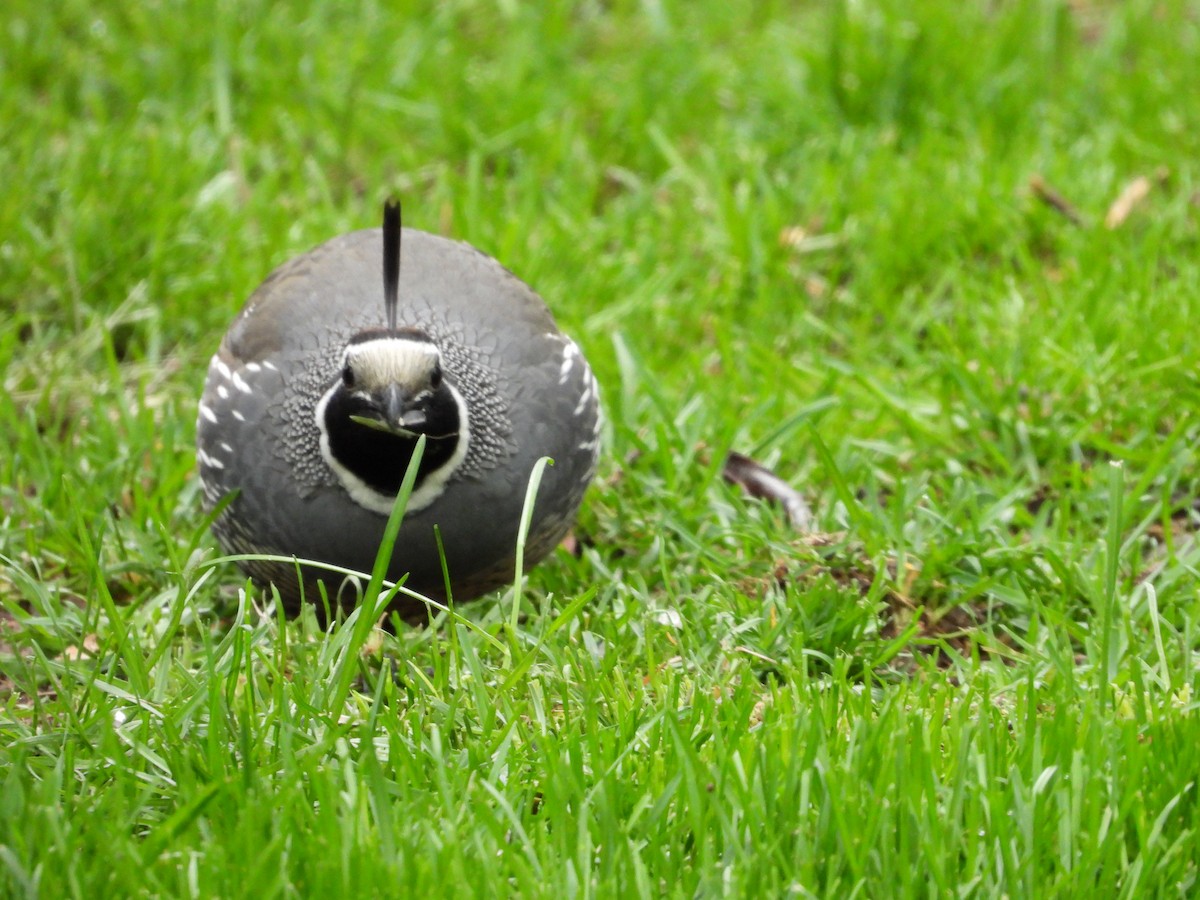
(316, 397)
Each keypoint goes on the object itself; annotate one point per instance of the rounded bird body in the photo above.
(314, 402)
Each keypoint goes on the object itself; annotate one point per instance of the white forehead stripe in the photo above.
(392, 360)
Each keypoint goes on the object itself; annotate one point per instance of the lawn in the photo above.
(936, 264)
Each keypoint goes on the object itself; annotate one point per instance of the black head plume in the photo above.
(391, 259)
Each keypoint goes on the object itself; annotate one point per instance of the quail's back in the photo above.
(314, 402)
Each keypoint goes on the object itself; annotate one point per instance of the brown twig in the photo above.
(1055, 200)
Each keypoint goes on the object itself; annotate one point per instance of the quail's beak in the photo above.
(394, 413)
(399, 414)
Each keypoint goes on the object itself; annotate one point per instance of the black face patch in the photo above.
(380, 458)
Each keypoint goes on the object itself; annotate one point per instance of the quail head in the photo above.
(318, 394)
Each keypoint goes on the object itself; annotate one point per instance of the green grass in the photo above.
(979, 680)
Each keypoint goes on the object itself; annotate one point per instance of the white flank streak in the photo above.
(208, 414)
(252, 367)
(222, 392)
(240, 384)
(210, 461)
(226, 447)
(237, 415)
(220, 366)
(570, 351)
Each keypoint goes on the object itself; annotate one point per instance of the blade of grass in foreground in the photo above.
(375, 600)
(1109, 644)
(535, 480)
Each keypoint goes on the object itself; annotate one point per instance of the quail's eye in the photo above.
(435, 378)
(348, 377)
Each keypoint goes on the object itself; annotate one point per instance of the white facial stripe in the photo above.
(392, 360)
